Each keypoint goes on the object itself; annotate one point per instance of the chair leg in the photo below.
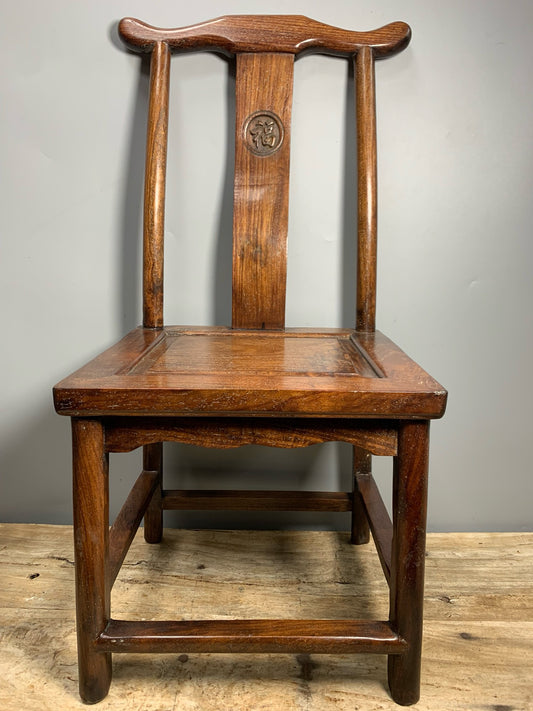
(362, 464)
(91, 546)
(153, 518)
(408, 558)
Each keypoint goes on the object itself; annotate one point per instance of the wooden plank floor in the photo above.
(478, 642)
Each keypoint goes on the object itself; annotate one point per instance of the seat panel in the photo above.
(298, 372)
(230, 354)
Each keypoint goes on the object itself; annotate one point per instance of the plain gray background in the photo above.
(455, 127)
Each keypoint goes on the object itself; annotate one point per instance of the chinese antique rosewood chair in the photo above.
(256, 381)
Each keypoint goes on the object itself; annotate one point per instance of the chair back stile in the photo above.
(366, 190)
(154, 187)
(264, 81)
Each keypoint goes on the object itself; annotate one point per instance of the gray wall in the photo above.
(455, 168)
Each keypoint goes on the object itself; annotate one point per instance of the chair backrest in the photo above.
(264, 48)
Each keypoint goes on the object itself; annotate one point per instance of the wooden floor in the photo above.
(478, 642)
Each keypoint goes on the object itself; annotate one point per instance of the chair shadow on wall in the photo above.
(188, 466)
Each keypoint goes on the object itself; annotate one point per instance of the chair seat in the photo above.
(180, 371)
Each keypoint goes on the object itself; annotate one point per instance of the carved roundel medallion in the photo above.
(263, 133)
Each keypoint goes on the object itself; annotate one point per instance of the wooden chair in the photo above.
(256, 381)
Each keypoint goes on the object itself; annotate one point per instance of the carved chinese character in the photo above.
(263, 132)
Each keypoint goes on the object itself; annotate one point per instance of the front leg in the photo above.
(408, 557)
(91, 548)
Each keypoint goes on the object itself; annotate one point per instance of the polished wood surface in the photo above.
(153, 516)
(229, 500)
(367, 190)
(261, 189)
(218, 354)
(266, 636)
(375, 436)
(361, 467)
(255, 382)
(223, 371)
(122, 532)
(91, 552)
(377, 517)
(266, 33)
(409, 505)
(154, 187)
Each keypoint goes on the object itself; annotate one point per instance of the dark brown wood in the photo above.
(367, 190)
(266, 33)
(115, 384)
(261, 191)
(223, 433)
(257, 382)
(91, 551)
(153, 517)
(233, 353)
(154, 187)
(361, 466)
(127, 522)
(408, 557)
(378, 518)
(230, 500)
(232, 636)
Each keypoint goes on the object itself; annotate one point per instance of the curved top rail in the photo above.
(266, 33)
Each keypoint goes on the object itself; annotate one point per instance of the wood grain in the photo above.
(261, 193)
(366, 190)
(127, 522)
(410, 485)
(361, 467)
(91, 550)
(478, 634)
(154, 187)
(223, 433)
(227, 500)
(238, 636)
(153, 517)
(378, 518)
(110, 384)
(232, 357)
(266, 33)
